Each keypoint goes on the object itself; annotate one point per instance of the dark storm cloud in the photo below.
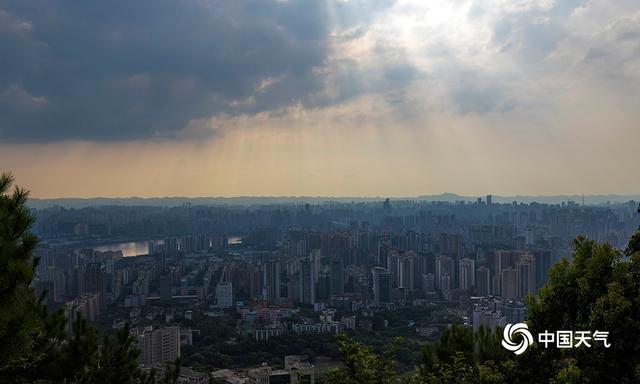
(111, 70)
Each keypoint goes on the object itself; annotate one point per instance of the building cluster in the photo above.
(494, 313)
(158, 346)
(297, 369)
(273, 265)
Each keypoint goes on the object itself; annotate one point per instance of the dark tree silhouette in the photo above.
(34, 344)
(598, 290)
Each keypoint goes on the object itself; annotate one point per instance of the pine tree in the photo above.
(21, 329)
(34, 344)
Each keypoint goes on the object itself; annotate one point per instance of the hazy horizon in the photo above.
(452, 194)
(70, 202)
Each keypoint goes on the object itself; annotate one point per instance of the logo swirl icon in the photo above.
(514, 329)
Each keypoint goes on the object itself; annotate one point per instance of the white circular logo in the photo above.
(513, 329)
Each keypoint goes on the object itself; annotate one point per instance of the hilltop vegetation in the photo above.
(599, 289)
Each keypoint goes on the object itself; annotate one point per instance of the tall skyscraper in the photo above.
(530, 236)
(445, 284)
(467, 273)
(406, 271)
(95, 281)
(542, 265)
(483, 281)
(494, 261)
(271, 279)
(323, 292)
(496, 285)
(383, 252)
(444, 265)
(444, 243)
(255, 280)
(307, 283)
(509, 283)
(381, 286)
(394, 268)
(87, 305)
(224, 290)
(526, 276)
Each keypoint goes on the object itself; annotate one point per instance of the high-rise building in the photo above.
(444, 243)
(406, 271)
(224, 290)
(171, 246)
(428, 283)
(542, 265)
(444, 265)
(383, 252)
(307, 283)
(509, 283)
(445, 286)
(323, 293)
(456, 245)
(159, 346)
(494, 262)
(57, 287)
(95, 281)
(467, 273)
(256, 285)
(496, 285)
(86, 305)
(165, 288)
(381, 286)
(271, 279)
(483, 282)
(526, 276)
(152, 248)
(293, 286)
(503, 259)
(530, 236)
(394, 268)
(337, 277)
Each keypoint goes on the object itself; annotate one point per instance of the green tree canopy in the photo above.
(597, 290)
(22, 332)
(34, 344)
(362, 365)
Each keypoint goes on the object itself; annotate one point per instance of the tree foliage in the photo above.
(20, 330)
(362, 365)
(464, 356)
(34, 344)
(597, 290)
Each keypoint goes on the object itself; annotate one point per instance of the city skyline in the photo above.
(319, 191)
(335, 98)
(448, 198)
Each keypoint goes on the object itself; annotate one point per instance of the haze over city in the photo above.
(335, 98)
(319, 191)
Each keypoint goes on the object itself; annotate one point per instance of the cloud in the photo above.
(133, 69)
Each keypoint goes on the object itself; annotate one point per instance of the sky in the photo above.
(320, 98)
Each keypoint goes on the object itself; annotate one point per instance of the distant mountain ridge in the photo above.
(72, 202)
